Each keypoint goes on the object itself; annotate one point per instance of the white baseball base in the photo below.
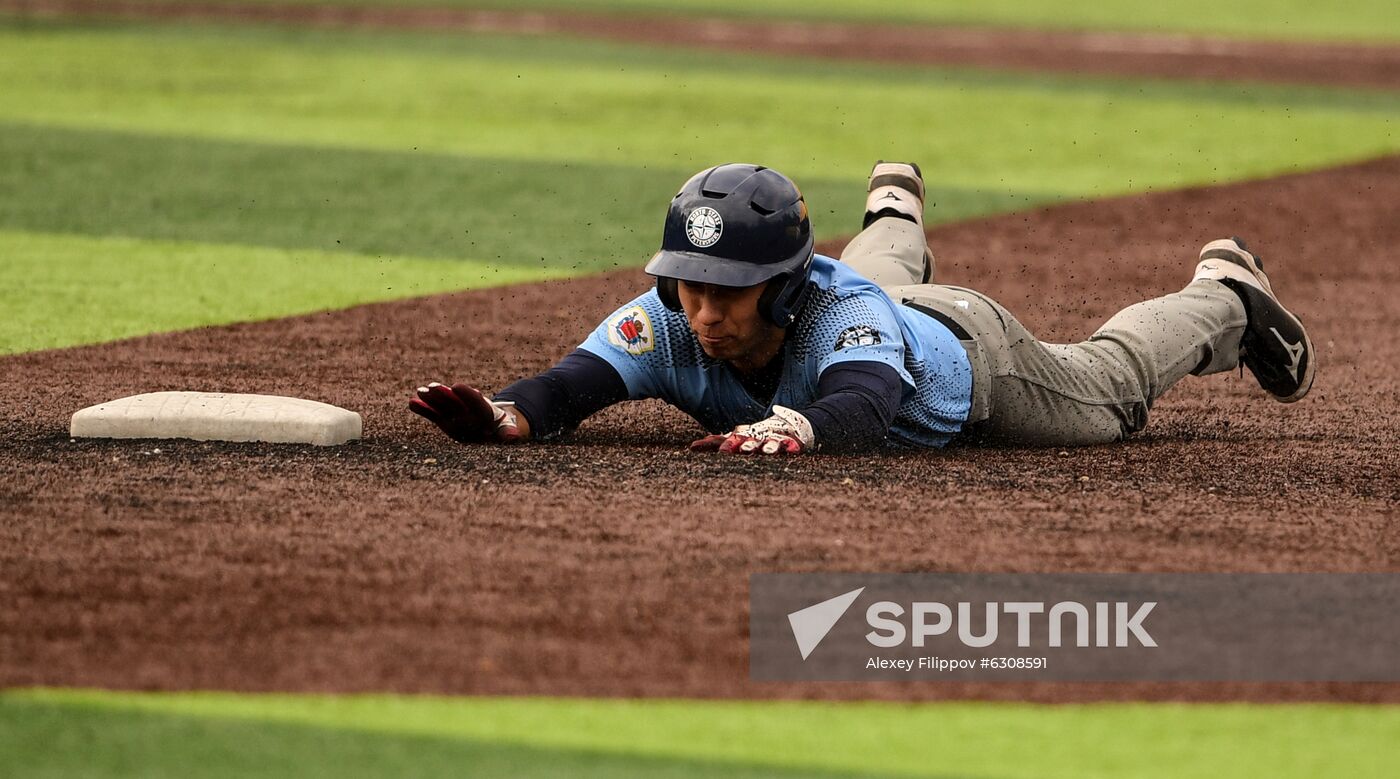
(218, 416)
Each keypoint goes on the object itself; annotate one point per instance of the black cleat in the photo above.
(1275, 346)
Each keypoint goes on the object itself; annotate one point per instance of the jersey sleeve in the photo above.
(858, 327)
(556, 401)
(641, 341)
(856, 403)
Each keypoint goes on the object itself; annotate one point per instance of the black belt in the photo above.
(942, 319)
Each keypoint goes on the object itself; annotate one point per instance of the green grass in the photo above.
(109, 734)
(61, 290)
(511, 213)
(579, 102)
(1367, 20)
(333, 150)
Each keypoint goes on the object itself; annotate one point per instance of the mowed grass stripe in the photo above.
(578, 102)
(114, 733)
(43, 739)
(61, 290)
(525, 214)
(1372, 20)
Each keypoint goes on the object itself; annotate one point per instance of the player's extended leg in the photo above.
(892, 251)
(1039, 394)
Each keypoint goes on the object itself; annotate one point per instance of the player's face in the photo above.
(726, 320)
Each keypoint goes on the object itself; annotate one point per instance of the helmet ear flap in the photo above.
(666, 290)
(768, 302)
(782, 299)
(785, 294)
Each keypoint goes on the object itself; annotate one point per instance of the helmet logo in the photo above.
(704, 226)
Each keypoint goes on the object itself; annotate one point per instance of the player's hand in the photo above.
(786, 432)
(465, 414)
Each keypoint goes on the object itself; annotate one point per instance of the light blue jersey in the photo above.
(845, 318)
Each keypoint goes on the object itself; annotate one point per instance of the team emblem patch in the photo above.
(631, 331)
(859, 335)
(704, 226)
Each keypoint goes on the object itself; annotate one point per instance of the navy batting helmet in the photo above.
(738, 225)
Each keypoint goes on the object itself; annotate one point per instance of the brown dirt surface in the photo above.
(1111, 53)
(616, 563)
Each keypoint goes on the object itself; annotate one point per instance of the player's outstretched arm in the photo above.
(466, 415)
(536, 408)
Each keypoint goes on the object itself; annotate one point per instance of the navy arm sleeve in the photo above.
(556, 401)
(856, 404)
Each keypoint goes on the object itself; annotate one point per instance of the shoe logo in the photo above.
(1295, 352)
(890, 196)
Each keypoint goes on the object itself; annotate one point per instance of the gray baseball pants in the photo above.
(1030, 393)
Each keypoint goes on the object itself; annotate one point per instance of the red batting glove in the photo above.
(465, 414)
(710, 443)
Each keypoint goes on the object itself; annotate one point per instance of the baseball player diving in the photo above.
(776, 350)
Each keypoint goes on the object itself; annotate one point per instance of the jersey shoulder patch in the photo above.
(857, 335)
(630, 330)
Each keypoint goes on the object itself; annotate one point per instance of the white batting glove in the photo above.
(786, 432)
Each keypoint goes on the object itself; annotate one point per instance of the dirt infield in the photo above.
(616, 563)
(1111, 53)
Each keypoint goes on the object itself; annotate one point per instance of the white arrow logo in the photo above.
(810, 625)
(1295, 353)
